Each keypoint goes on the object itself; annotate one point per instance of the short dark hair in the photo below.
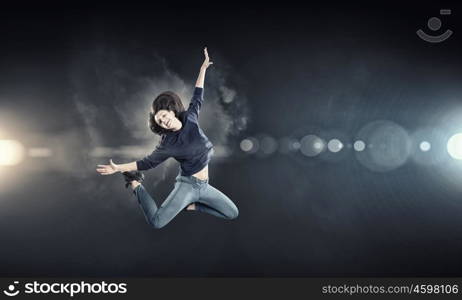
(168, 101)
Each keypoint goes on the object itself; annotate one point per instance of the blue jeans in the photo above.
(188, 189)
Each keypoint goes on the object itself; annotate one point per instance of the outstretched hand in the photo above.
(207, 61)
(107, 169)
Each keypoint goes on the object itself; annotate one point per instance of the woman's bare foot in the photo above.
(191, 206)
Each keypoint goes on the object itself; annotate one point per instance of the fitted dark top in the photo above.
(189, 145)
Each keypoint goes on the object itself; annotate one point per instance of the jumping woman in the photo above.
(183, 139)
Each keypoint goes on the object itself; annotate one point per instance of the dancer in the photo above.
(183, 139)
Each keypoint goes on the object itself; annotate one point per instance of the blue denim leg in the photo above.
(214, 202)
(183, 194)
(147, 204)
(207, 209)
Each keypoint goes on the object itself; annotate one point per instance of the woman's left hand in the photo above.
(207, 61)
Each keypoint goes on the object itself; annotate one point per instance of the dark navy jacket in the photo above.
(189, 145)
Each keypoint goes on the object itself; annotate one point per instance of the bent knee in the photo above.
(156, 224)
(234, 214)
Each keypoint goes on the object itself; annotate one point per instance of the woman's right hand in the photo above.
(108, 169)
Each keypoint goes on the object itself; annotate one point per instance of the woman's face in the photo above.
(167, 120)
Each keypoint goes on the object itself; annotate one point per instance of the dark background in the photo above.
(331, 66)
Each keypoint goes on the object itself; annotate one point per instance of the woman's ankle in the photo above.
(134, 184)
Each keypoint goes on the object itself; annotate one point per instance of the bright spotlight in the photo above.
(250, 145)
(455, 146)
(425, 146)
(11, 152)
(246, 145)
(359, 146)
(334, 145)
(311, 145)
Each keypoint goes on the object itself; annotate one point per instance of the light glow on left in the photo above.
(11, 152)
(455, 146)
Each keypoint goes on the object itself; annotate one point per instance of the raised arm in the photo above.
(198, 96)
(205, 65)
